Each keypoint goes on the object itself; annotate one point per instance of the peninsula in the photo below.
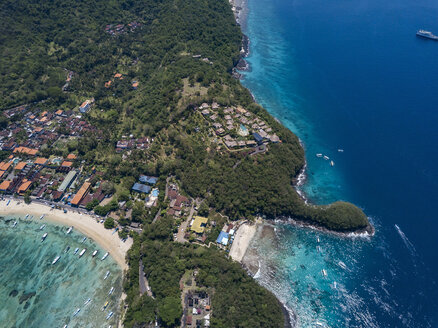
(129, 110)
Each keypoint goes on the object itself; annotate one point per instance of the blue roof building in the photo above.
(258, 138)
(138, 187)
(148, 179)
(223, 238)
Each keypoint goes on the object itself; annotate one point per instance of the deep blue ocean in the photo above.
(352, 75)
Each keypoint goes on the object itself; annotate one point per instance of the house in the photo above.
(138, 187)
(4, 166)
(5, 185)
(59, 112)
(66, 164)
(135, 85)
(24, 186)
(26, 150)
(117, 75)
(148, 179)
(223, 238)
(81, 194)
(20, 166)
(71, 156)
(41, 161)
(199, 224)
(85, 107)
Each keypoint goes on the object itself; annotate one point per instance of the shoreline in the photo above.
(85, 224)
(245, 233)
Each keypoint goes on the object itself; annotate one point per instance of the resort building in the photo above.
(81, 194)
(199, 224)
(68, 181)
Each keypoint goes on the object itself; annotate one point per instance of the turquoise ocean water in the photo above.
(54, 292)
(352, 75)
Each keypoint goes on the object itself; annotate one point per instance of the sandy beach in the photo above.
(86, 224)
(241, 241)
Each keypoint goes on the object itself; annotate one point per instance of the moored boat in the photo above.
(76, 251)
(326, 157)
(76, 312)
(44, 237)
(42, 227)
(111, 291)
(342, 265)
(105, 256)
(427, 35)
(105, 305)
(82, 252)
(318, 155)
(87, 301)
(332, 163)
(106, 275)
(56, 260)
(94, 253)
(42, 216)
(109, 315)
(67, 249)
(324, 272)
(83, 240)
(69, 230)
(14, 225)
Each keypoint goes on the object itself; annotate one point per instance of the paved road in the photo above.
(143, 282)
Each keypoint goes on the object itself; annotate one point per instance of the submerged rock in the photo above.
(25, 297)
(13, 293)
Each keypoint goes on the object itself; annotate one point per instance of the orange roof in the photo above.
(85, 103)
(5, 166)
(20, 166)
(11, 156)
(108, 84)
(135, 84)
(41, 161)
(38, 129)
(81, 193)
(44, 113)
(32, 117)
(59, 112)
(25, 150)
(67, 164)
(1, 173)
(118, 75)
(5, 185)
(44, 119)
(24, 186)
(71, 156)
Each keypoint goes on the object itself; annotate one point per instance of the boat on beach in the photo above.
(105, 256)
(56, 260)
(44, 237)
(9, 201)
(82, 252)
(26, 216)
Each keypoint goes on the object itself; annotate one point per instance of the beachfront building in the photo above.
(81, 194)
(223, 238)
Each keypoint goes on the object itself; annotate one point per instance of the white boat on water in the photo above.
(69, 230)
(56, 259)
(15, 224)
(105, 256)
(87, 301)
(94, 253)
(76, 251)
(76, 312)
(82, 252)
(42, 227)
(42, 216)
(111, 291)
(106, 275)
(109, 315)
(65, 326)
(340, 150)
(317, 239)
(318, 155)
(332, 163)
(335, 285)
(324, 272)
(44, 237)
(342, 265)
(26, 216)
(326, 157)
